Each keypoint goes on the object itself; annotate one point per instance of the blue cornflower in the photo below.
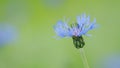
(75, 30)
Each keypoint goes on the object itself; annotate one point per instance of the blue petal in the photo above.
(61, 29)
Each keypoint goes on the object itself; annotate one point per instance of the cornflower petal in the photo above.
(78, 29)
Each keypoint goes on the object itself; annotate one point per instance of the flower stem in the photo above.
(84, 59)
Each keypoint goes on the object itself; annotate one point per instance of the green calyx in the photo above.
(78, 41)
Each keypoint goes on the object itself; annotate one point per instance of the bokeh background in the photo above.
(35, 45)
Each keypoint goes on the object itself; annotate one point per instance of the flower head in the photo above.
(81, 27)
(75, 30)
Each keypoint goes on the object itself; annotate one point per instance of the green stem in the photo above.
(84, 59)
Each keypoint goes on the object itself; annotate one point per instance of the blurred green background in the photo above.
(36, 46)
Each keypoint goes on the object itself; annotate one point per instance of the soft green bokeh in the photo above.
(36, 46)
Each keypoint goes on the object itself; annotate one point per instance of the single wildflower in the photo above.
(75, 30)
